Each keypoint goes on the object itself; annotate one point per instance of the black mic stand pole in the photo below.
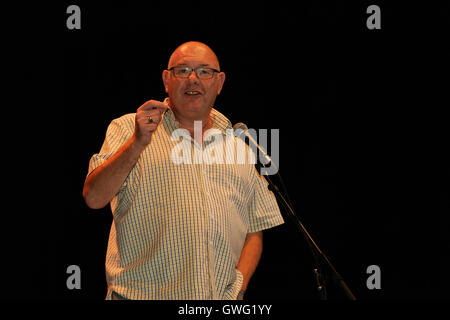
(315, 250)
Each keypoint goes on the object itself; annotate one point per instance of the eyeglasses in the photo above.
(201, 72)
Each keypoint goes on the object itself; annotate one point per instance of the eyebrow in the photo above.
(201, 65)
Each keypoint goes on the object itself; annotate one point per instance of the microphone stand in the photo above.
(317, 254)
(315, 250)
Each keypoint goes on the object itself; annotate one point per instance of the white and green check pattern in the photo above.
(178, 229)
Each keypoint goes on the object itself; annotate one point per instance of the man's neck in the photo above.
(190, 125)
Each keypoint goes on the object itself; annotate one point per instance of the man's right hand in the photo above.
(147, 119)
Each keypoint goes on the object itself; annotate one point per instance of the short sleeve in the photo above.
(264, 212)
(117, 134)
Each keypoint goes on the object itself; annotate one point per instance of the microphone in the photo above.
(241, 128)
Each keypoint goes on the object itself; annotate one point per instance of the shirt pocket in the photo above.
(232, 290)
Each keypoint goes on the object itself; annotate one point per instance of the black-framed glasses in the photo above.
(201, 72)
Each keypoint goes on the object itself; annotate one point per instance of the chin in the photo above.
(196, 105)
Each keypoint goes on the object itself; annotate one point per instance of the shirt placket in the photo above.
(202, 172)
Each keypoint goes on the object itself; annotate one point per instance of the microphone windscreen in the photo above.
(240, 126)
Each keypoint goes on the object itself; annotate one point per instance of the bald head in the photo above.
(194, 51)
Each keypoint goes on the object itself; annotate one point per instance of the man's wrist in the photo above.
(136, 147)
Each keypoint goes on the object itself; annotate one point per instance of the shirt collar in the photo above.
(219, 120)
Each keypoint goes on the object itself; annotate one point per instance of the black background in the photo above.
(363, 135)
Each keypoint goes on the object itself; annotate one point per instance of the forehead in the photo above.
(195, 55)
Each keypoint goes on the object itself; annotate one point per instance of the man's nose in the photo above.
(193, 77)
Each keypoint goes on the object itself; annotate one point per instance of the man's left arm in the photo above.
(250, 255)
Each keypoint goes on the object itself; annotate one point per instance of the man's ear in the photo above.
(165, 77)
(222, 77)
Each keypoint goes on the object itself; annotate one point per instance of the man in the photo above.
(180, 231)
